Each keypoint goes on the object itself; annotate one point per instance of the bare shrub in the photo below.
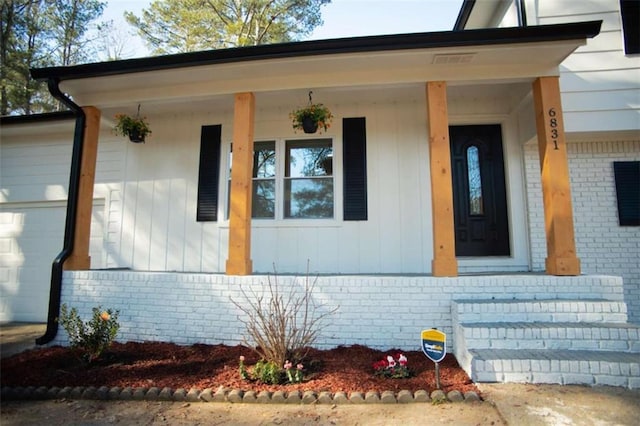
(282, 325)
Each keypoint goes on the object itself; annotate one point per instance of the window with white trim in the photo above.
(292, 179)
(263, 202)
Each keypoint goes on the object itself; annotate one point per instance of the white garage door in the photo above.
(31, 236)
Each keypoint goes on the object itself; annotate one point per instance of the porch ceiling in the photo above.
(457, 65)
(511, 91)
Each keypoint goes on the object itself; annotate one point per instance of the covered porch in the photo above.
(492, 81)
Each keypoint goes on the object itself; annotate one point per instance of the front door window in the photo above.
(475, 181)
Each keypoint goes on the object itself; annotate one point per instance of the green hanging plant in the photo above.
(311, 117)
(136, 128)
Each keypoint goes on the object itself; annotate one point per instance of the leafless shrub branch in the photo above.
(285, 324)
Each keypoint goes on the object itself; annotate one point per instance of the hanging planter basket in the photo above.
(309, 125)
(311, 117)
(136, 128)
(136, 137)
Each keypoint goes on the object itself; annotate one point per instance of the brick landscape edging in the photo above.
(223, 394)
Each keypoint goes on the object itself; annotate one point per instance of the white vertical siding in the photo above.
(159, 231)
(398, 228)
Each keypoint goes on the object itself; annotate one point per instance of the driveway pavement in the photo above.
(19, 336)
(524, 404)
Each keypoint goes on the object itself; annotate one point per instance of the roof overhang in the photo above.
(34, 124)
(455, 56)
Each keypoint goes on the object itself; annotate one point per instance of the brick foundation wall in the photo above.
(382, 312)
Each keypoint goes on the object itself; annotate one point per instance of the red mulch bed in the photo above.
(158, 364)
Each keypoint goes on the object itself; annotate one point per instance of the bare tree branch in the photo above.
(284, 325)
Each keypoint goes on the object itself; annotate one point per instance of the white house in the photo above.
(423, 204)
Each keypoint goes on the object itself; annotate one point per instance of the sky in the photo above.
(342, 18)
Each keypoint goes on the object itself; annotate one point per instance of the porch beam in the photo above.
(239, 260)
(79, 258)
(554, 165)
(444, 263)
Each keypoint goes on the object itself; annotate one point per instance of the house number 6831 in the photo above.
(553, 124)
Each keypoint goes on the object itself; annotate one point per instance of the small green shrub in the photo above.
(94, 336)
(267, 372)
(270, 373)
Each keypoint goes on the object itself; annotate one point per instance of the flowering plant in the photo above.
(94, 336)
(269, 372)
(316, 114)
(293, 376)
(392, 368)
(244, 375)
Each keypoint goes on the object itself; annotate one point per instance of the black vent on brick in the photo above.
(209, 175)
(627, 175)
(354, 155)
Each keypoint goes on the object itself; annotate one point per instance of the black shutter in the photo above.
(630, 11)
(209, 174)
(354, 157)
(627, 175)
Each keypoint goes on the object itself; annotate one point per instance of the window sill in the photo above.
(290, 223)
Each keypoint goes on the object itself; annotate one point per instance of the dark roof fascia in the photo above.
(464, 14)
(37, 118)
(476, 37)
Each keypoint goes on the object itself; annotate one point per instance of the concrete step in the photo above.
(556, 366)
(552, 310)
(556, 335)
(547, 341)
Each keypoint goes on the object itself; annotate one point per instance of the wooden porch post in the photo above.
(239, 261)
(79, 258)
(558, 213)
(444, 263)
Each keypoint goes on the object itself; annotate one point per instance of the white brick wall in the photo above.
(603, 246)
(381, 311)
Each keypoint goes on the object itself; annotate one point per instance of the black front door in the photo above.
(479, 196)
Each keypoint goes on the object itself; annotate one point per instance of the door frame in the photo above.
(515, 186)
(493, 221)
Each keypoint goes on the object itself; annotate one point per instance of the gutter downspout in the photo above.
(72, 210)
(522, 13)
(464, 14)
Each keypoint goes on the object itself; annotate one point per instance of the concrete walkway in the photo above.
(514, 404)
(526, 404)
